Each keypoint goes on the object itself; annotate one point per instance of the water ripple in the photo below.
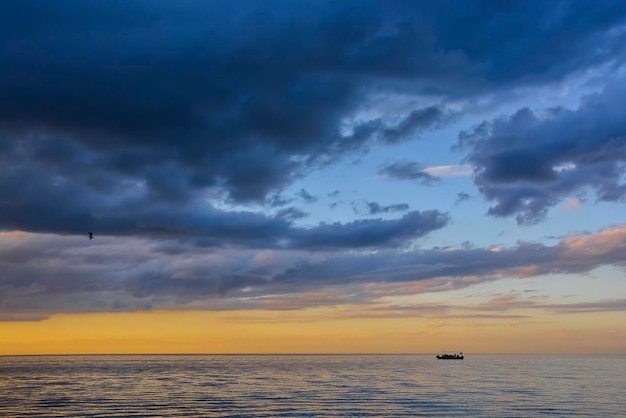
(311, 386)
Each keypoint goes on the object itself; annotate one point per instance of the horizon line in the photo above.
(298, 354)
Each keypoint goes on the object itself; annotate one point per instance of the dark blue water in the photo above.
(313, 386)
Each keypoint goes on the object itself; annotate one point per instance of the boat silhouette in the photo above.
(446, 356)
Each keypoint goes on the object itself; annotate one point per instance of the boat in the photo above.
(446, 356)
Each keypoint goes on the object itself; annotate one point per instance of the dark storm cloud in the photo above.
(35, 201)
(408, 170)
(213, 228)
(533, 41)
(531, 160)
(246, 96)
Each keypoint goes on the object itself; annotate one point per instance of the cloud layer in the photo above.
(529, 161)
(46, 274)
(104, 102)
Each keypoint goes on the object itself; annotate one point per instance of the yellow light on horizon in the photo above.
(322, 330)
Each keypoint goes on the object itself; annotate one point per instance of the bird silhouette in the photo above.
(90, 235)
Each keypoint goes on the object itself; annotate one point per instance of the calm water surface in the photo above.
(313, 386)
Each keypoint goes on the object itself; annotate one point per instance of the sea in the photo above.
(313, 386)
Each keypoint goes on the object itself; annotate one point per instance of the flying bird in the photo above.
(90, 235)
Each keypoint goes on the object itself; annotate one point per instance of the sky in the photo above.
(312, 177)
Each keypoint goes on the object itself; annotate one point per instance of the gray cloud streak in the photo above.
(47, 274)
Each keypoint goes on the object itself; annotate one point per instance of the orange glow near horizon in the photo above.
(280, 332)
(425, 316)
